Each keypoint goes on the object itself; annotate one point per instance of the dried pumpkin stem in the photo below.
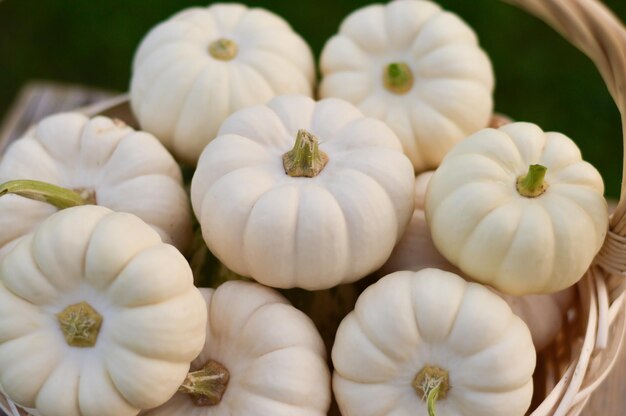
(533, 183)
(305, 159)
(54, 195)
(207, 385)
(223, 49)
(80, 324)
(398, 78)
(431, 384)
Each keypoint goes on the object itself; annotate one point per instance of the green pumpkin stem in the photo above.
(54, 195)
(398, 78)
(433, 395)
(431, 384)
(533, 183)
(305, 159)
(207, 385)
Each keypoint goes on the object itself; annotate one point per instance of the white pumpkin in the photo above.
(311, 215)
(411, 332)
(518, 209)
(543, 314)
(416, 67)
(195, 69)
(415, 250)
(105, 162)
(97, 316)
(264, 355)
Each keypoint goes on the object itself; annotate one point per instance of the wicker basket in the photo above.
(584, 352)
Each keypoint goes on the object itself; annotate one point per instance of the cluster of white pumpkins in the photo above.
(99, 314)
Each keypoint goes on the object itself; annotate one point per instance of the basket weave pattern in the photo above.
(584, 352)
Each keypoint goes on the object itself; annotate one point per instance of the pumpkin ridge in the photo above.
(603, 229)
(514, 236)
(366, 44)
(434, 20)
(452, 119)
(351, 73)
(49, 369)
(260, 75)
(198, 77)
(448, 196)
(250, 213)
(496, 341)
(7, 340)
(474, 228)
(344, 220)
(565, 201)
(362, 52)
(44, 280)
(37, 136)
(484, 142)
(367, 334)
(503, 178)
(191, 22)
(105, 370)
(295, 71)
(385, 192)
(143, 54)
(219, 23)
(450, 46)
(473, 79)
(294, 402)
(86, 131)
(521, 384)
(105, 166)
(263, 397)
(415, 108)
(84, 254)
(164, 74)
(102, 289)
(247, 322)
(389, 200)
(252, 312)
(455, 315)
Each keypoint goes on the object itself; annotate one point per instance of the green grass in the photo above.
(541, 78)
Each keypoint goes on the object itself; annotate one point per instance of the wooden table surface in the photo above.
(38, 99)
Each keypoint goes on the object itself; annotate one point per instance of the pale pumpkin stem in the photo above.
(223, 49)
(433, 395)
(431, 384)
(54, 195)
(80, 324)
(207, 385)
(398, 78)
(305, 159)
(533, 183)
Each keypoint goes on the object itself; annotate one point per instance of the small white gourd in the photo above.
(69, 159)
(416, 338)
(416, 67)
(518, 209)
(298, 193)
(97, 316)
(204, 63)
(263, 357)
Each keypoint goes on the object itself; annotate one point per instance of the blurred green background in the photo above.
(540, 77)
